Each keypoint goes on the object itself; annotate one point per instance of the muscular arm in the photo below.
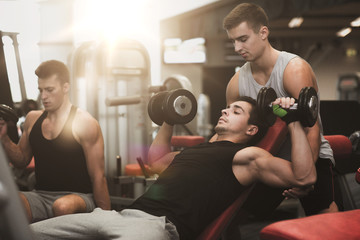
(299, 74)
(261, 165)
(19, 154)
(91, 139)
(160, 155)
(232, 89)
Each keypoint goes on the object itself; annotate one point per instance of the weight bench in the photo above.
(271, 142)
(330, 226)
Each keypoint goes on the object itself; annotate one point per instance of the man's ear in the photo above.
(264, 32)
(66, 87)
(252, 130)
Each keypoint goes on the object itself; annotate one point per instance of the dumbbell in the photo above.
(8, 114)
(306, 106)
(177, 106)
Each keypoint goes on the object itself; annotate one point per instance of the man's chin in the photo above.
(218, 129)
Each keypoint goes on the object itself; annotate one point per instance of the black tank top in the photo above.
(196, 187)
(60, 162)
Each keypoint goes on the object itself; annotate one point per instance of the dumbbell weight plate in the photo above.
(179, 106)
(155, 108)
(8, 114)
(308, 108)
(264, 98)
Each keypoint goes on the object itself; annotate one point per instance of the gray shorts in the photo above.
(129, 224)
(41, 202)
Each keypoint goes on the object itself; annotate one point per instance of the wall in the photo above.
(328, 58)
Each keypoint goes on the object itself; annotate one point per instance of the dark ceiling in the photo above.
(319, 20)
(322, 18)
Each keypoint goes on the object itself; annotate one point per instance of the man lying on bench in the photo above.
(196, 184)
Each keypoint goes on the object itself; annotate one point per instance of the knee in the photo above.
(62, 207)
(68, 205)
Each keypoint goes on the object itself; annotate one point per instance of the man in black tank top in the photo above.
(195, 185)
(68, 149)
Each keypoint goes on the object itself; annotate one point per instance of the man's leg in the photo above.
(69, 204)
(73, 226)
(100, 224)
(41, 203)
(26, 206)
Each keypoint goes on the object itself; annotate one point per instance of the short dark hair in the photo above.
(53, 67)
(253, 14)
(255, 119)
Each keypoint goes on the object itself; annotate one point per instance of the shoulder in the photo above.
(250, 154)
(31, 117)
(82, 115)
(85, 125)
(298, 63)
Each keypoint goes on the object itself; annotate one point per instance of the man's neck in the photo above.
(61, 112)
(234, 139)
(262, 67)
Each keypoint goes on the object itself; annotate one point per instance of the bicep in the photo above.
(264, 167)
(161, 164)
(93, 145)
(297, 75)
(275, 172)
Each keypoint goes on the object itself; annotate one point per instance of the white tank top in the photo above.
(249, 87)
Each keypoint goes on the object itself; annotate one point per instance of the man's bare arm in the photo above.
(160, 154)
(91, 139)
(19, 154)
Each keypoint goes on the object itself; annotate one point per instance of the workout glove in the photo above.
(285, 115)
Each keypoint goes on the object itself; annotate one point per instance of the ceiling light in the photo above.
(356, 22)
(295, 22)
(343, 32)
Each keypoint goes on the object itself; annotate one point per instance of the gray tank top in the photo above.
(249, 87)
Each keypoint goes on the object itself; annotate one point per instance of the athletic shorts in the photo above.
(323, 194)
(41, 202)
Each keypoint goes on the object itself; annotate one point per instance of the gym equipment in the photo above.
(174, 107)
(176, 81)
(8, 114)
(264, 99)
(111, 81)
(337, 225)
(349, 87)
(306, 106)
(355, 140)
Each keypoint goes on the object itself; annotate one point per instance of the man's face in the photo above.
(52, 92)
(234, 119)
(247, 43)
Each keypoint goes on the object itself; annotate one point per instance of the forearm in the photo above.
(161, 144)
(301, 155)
(101, 194)
(13, 152)
(313, 136)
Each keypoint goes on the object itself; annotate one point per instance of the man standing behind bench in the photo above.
(68, 148)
